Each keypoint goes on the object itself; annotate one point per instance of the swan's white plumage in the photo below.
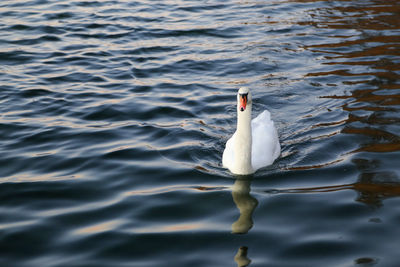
(265, 147)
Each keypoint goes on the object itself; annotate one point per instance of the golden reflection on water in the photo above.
(373, 187)
(370, 192)
(174, 228)
(173, 188)
(373, 100)
(98, 228)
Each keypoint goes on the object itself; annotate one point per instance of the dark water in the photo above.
(114, 116)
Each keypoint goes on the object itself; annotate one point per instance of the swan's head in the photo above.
(243, 98)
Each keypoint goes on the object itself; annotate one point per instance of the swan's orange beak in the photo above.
(242, 102)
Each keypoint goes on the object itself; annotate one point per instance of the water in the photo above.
(114, 117)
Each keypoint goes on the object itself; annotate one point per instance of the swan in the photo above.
(255, 144)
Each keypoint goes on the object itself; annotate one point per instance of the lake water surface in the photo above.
(115, 114)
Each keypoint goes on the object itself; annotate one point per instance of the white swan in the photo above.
(255, 143)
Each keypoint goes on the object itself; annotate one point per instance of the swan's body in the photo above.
(255, 143)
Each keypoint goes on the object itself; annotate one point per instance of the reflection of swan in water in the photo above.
(246, 205)
(241, 257)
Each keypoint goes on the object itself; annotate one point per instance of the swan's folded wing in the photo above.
(265, 141)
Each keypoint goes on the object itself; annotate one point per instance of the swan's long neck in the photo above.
(243, 142)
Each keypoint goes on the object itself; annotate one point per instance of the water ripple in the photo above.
(114, 116)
